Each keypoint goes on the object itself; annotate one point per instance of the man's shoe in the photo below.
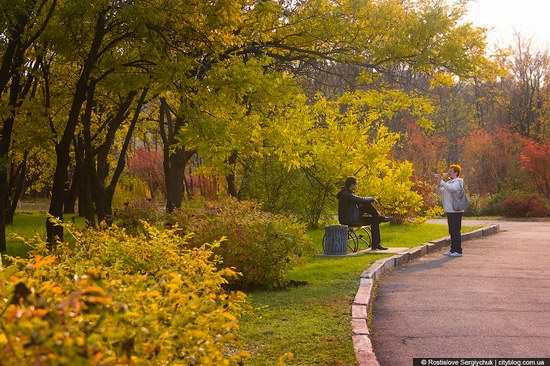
(378, 247)
(386, 219)
(447, 253)
(455, 254)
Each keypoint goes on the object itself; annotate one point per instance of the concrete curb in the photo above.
(362, 344)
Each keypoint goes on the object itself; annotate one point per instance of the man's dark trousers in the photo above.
(373, 220)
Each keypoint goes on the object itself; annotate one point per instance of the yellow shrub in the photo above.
(115, 299)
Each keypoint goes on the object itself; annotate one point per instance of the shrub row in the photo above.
(510, 204)
(111, 298)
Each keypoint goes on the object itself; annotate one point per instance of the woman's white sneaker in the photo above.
(455, 254)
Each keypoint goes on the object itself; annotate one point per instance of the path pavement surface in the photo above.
(494, 301)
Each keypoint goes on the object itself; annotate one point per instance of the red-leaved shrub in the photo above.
(529, 205)
(535, 159)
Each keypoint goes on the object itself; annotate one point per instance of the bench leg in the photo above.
(365, 236)
(359, 238)
(353, 241)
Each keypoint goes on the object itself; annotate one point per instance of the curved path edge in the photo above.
(362, 344)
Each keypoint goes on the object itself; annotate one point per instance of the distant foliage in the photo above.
(491, 161)
(280, 190)
(147, 166)
(130, 189)
(260, 245)
(423, 150)
(486, 204)
(508, 173)
(114, 299)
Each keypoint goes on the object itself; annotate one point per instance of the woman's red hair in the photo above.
(457, 168)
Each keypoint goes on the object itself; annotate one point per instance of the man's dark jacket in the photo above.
(348, 206)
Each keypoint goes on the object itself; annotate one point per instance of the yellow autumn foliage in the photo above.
(111, 298)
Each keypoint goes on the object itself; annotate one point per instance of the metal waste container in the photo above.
(335, 240)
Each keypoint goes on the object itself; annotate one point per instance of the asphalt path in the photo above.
(493, 302)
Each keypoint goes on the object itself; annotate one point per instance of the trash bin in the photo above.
(335, 240)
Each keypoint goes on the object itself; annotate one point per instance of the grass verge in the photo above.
(311, 318)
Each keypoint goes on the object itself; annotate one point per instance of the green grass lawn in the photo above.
(27, 225)
(312, 320)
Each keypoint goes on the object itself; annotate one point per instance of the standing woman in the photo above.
(454, 218)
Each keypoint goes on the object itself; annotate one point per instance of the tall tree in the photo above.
(21, 24)
(103, 40)
(98, 148)
(526, 99)
(98, 19)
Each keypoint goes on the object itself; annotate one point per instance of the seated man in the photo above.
(352, 208)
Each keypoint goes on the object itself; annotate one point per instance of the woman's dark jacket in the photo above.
(348, 206)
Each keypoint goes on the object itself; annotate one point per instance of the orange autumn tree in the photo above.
(535, 160)
(491, 160)
(424, 149)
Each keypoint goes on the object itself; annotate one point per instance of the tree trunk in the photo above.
(174, 175)
(15, 188)
(103, 193)
(63, 158)
(100, 202)
(82, 185)
(86, 198)
(85, 201)
(174, 170)
(174, 160)
(5, 141)
(53, 231)
(11, 72)
(186, 185)
(71, 194)
(104, 203)
(231, 185)
(3, 196)
(230, 178)
(190, 186)
(94, 185)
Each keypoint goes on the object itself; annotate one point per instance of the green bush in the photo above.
(113, 299)
(260, 245)
(486, 205)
